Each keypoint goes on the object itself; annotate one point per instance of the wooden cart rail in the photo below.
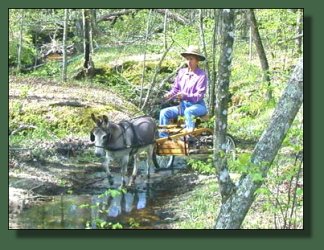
(179, 134)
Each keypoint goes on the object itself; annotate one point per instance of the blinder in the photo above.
(92, 137)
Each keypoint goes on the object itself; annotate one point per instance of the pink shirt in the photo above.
(192, 85)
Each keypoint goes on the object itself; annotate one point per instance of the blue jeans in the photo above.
(188, 109)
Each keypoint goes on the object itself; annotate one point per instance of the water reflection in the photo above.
(126, 202)
(129, 199)
(77, 211)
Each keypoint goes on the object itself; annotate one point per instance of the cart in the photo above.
(177, 143)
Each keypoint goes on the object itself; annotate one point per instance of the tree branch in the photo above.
(114, 15)
(174, 16)
(157, 70)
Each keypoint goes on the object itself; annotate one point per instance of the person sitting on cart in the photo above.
(190, 88)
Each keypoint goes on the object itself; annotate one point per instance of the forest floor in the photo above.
(41, 168)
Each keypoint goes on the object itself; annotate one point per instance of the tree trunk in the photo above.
(165, 29)
(86, 37)
(233, 211)
(220, 124)
(250, 44)
(36, 50)
(95, 31)
(22, 17)
(260, 50)
(144, 61)
(91, 31)
(203, 44)
(64, 66)
(299, 30)
(88, 65)
(212, 82)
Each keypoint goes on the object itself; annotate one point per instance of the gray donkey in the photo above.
(123, 140)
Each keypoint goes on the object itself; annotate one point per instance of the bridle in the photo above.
(107, 133)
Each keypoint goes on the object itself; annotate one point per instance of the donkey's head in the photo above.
(100, 134)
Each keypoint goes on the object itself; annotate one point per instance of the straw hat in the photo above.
(193, 50)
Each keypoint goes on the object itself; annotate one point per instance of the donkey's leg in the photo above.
(149, 160)
(124, 163)
(106, 164)
(135, 169)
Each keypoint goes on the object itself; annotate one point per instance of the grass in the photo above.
(196, 209)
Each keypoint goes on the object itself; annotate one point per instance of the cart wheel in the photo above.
(230, 147)
(163, 161)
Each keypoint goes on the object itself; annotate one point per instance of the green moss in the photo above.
(57, 121)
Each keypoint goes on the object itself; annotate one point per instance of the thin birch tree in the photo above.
(226, 185)
(260, 50)
(64, 64)
(203, 45)
(20, 43)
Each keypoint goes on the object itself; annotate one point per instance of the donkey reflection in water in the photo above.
(123, 140)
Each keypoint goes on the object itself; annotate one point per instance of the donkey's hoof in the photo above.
(122, 186)
(131, 181)
(110, 180)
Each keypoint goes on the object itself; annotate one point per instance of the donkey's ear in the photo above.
(105, 120)
(92, 137)
(96, 120)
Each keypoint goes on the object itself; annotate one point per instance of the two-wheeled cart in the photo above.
(182, 143)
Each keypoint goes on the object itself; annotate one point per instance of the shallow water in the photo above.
(138, 207)
(84, 211)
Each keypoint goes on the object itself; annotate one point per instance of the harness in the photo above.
(134, 144)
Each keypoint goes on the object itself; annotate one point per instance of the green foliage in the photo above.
(204, 167)
(50, 68)
(276, 28)
(112, 193)
(244, 165)
(102, 224)
(133, 223)
(27, 52)
(187, 35)
(282, 194)
(114, 82)
(209, 123)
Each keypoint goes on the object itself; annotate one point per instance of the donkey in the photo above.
(123, 140)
